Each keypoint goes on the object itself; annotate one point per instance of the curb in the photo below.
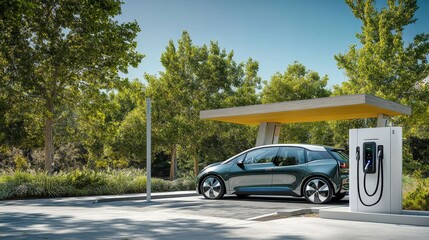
(159, 195)
(284, 214)
(406, 217)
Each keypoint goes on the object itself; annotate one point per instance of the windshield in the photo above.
(340, 155)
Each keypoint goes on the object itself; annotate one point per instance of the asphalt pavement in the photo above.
(184, 215)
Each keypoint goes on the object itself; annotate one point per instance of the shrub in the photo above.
(20, 185)
(85, 178)
(416, 193)
(20, 162)
(138, 184)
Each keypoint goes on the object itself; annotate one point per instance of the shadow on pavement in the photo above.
(284, 199)
(42, 226)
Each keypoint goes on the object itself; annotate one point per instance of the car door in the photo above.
(253, 174)
(289, 171)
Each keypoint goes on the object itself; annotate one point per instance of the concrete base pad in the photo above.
(415, 218)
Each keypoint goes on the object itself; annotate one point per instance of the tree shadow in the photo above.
(44, 226)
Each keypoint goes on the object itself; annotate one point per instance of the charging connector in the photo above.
(370, 168)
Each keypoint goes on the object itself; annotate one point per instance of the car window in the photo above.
(290, 156)
(317, 155)
(239, 158)
(340, 155)
(261, 155)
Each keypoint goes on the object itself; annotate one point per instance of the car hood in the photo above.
(213, 165)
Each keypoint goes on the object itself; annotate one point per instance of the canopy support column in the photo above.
(383, 120)
(268, 133)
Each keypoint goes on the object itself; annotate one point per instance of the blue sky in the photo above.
(274, 32)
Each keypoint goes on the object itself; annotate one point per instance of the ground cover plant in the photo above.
(30, 184)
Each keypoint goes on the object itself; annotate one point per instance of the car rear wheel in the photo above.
(317, 190)
(212, 187)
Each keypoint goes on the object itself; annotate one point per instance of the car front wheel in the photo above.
(212, 187)
(317, 190)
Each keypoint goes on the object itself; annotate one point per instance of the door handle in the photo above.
(268, 169)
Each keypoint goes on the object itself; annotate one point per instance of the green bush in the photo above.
(417, 199)
(416, 193)
(21, 185)
(85, 178)
(20, 162)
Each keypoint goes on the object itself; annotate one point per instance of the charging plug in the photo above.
(366, 166)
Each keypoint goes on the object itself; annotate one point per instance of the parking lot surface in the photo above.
(191, 217)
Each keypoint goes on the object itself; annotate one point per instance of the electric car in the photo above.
(318, 173)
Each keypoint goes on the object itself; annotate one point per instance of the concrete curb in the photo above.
(414, 218)
(142, 196)
(284, 214)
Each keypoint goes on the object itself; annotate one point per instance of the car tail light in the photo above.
(343, 165)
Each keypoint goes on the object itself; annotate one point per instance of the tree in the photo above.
(128, 113)
(196, 78)
(298, 83)
(385, 66)
(57, 54)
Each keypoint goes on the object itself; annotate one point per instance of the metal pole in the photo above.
(148, 150)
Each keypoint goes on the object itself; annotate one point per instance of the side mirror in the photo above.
(240, 163)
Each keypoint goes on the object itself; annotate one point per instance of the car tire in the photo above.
(318, 190)
(339, 196)
(212, 187)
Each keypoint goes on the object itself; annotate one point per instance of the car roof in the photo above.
(306, 146)
(310, 147)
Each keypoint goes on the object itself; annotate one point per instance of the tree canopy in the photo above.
(60, 88)
(54, 53)
(298, 83)
(388, 67)
(197, 78)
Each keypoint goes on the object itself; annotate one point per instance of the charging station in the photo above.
(375, 170)
(375, 157)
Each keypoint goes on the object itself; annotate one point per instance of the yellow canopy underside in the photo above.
(313, 110)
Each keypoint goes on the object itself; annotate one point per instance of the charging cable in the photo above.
(380, 171)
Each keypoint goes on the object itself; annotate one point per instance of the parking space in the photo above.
(238, 208)
(182, 218)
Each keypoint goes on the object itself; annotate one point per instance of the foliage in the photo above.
(196, 78)
(115, 130)
(386, 66)
(19, 184)
(418, 199)
(20, 162)
(382, 65)
(81, 179)
(298, 83)
(59, 65)
(415, 192)
(55, 53)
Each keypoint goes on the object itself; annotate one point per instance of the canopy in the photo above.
(311, 110)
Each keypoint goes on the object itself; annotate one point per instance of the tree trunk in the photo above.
(196, 167)
(173, 163)
(49, 143)
(49, 136)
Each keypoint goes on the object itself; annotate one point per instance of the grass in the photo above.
(23, 185)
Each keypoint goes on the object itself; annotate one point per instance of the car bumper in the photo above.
(344, 183)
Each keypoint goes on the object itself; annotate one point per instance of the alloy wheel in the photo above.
(212, 187)
(318, 190)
